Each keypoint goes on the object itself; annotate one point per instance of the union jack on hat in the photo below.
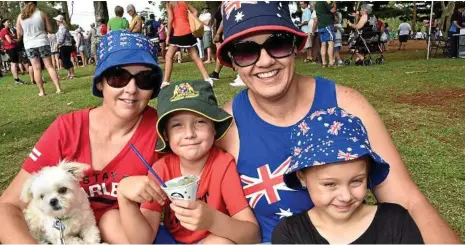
(330, 136)
(244, 17)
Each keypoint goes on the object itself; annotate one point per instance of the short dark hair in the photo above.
(4, 21)
(152, 16)
(119, 11)
(143, 18)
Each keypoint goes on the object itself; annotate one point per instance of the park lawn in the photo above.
(421, 102)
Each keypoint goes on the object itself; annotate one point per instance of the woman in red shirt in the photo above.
(179, 35)
(10, 42)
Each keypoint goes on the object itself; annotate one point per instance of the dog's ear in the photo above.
(74, 168)
(26, 192)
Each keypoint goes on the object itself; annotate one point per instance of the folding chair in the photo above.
(440, 43)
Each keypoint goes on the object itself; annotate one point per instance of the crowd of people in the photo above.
(322, 22)
(288, 160)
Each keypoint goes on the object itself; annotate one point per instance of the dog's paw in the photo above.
(74, 240)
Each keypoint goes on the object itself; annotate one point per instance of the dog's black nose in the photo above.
(53, 202)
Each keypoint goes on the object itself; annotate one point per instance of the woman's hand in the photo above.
(193, 215)
(141, 189)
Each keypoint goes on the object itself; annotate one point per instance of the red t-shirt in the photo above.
(3, 33)
(68, 138)
(104, 29)
(219, 187)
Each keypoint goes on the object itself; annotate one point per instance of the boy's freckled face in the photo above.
(189, 135)
(337, 190)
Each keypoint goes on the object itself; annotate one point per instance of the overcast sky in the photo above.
(83, 12)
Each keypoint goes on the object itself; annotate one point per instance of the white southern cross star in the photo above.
(284, 213)
(239, 16)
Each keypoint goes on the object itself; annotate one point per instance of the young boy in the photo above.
(336, 166)
(338, 41)
(190, 121)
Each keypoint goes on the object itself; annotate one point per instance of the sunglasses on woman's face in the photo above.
(118, 77)
(247, 53)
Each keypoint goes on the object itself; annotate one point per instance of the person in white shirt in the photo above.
(405, 30)
(305, 27)
(206, 18)
(32, 26)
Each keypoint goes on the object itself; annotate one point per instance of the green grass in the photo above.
(421, 102)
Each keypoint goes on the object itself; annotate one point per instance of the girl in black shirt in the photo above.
(337, 165)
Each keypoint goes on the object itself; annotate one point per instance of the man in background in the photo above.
(93, 42)
(325, 11)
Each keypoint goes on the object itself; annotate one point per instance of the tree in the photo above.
(50, 9)
(9, 10)
(414, 15)
(101, 10)
(199, 5)
(447, 12)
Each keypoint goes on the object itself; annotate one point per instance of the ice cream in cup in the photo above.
(183, 188)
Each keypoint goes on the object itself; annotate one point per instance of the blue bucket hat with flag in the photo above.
(244, 17)
(119, 48)
(332, 136)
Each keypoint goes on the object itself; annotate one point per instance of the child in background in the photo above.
(162, 37)
(337, 165)
(190, 121)
(338, 41)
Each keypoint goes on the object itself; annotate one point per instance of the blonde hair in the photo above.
(28, 10)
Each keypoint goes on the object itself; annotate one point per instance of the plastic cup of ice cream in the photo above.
(182, 188)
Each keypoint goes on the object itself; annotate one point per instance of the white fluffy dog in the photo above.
(59, 210)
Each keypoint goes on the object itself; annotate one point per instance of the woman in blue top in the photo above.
(260, 42)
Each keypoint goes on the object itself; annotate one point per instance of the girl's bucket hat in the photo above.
(332, 136)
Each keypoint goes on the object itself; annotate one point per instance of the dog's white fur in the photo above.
(60, 183)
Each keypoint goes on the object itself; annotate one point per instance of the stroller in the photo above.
(367, 41)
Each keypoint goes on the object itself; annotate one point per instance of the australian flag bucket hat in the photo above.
(244, 17)
(331, 136)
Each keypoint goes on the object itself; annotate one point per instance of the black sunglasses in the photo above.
(278, 45)
(118, 77)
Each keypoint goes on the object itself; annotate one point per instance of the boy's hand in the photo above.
(141, 189)
(193, 215)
